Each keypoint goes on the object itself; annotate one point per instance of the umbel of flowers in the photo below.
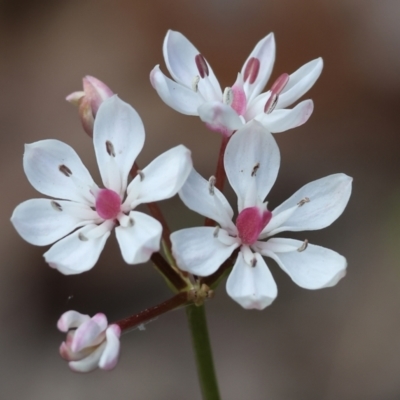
(78, 215)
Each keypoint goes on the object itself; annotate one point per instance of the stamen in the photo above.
(228, 96)
(110, 148)
(303, 246)
(201, 65)
(251, 70)
(65, 170)
(195, 83)
(255, 169)
(216, 231)
(253, 262)
(82, 237)
(141, 174)
(303, 201)
(211, 185)
(56, 206)
(276, 90)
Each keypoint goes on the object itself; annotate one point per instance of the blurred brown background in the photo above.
(338, 343)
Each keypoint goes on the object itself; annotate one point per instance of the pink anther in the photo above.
(276, 90)
(251, 70)
(202, 66)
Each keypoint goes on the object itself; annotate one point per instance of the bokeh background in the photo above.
(337, 343)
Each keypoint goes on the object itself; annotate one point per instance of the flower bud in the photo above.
(89, 100)
(91, 343)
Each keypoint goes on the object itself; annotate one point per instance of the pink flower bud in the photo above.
(91, 343)
(89, 100)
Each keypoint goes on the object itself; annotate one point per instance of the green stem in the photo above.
(201, 343)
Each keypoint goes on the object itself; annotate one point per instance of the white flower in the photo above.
(196, 91)
(89, 212)
(251, 163)
(91, 343)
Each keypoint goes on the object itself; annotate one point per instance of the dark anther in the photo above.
(255, 169)
(56, 206)
(110, 148)
(201, 65)
(65, 170)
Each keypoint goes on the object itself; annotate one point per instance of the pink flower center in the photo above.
(250, 222)
(108, 204)
(239, 102)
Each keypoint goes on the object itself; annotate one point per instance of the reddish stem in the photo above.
(153, 312)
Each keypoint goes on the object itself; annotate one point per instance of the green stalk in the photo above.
(202, 348)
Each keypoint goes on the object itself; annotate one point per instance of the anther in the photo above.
(303, 246)
(211, 185)
(251, 70)
(228, 96)
(276, 90)
(110, 148)
(141, 174)
(271, 103)
(131, 222)
(65, 170)
(82, 237)
(253, 262)
(216, 231)
(201, 65)
(195, 83)
(56, 206)
(303, 201)
(255, 169)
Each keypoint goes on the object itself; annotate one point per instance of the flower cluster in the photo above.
(79, 215)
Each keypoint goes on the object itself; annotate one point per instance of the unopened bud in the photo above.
(89, 100)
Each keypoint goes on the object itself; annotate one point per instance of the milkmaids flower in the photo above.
(196, 91)
(91, 343)
(251, 163)
(88, 211)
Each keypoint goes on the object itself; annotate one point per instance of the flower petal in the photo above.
(319, 204)
(109, 358)
(71, 319)
(220, 117)
(264, 52)
(87, 334)
(313, 268)
(251, 157)
(196, 195)
(283, 120)
(139, 241)
(251, 287)
(118, 138)
(300, 82)
(54, 169)
(179, 56)
(73, 255)
(90, 363)
(198, 251)
(162, 178)
(44, 221)
(175, 95)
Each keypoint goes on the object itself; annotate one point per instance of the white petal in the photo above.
(251, 287)
(139, 241)
(251, 156)
(90, 363)
(44, 221)
(220, 117)
(195, 193)
(175, 95)
(300, 82)
(87, 334)
(72, 255)
(54, 169)
(179, 55)
(283, 120)
(198, 251)
(162, 178)
(109, 358)
(327, 197)
(118, 138)
(71, 319)
(264, 51)
(313, 268)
